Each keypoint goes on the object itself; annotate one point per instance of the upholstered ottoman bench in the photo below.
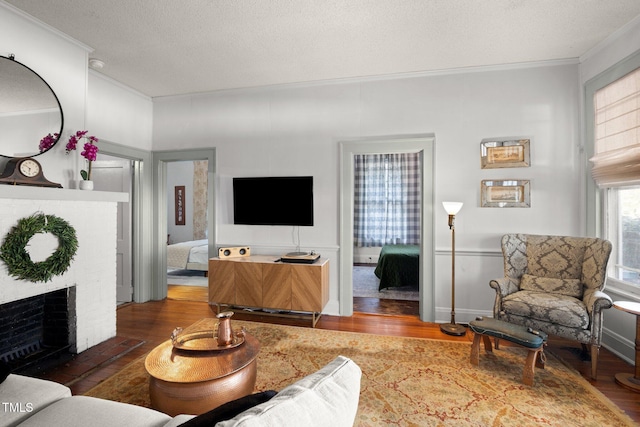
(534, 341)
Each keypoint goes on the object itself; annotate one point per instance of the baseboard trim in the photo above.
(619, 345)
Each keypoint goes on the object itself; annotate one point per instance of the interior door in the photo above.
(115, 175)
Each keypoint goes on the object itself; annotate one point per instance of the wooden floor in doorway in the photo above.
(387, 307)
(188, 293)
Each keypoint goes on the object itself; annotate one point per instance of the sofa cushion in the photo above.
(94, 412)
(546, 307)
(22, 397)
(328, 397)
(229, 409)
(568, 287)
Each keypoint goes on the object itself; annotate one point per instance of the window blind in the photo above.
(617, 132)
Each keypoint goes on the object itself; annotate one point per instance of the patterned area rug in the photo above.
(414, 382)
(365, 284)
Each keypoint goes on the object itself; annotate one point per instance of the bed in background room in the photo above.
(398, 266)
(192, 255)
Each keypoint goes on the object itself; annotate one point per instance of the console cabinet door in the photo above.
(221, 282)
(276, 286)
(265, 284)
(309, 287)
(248, 281)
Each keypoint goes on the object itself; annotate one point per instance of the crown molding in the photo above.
(611, 39)
(385, 77)
(44, 26)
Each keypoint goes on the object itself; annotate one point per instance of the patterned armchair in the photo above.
(554, 284)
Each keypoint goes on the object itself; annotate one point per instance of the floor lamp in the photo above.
(452, 328)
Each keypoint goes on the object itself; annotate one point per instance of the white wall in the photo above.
(295, 130)
(62, 63)
(366, 255)
(117, 113)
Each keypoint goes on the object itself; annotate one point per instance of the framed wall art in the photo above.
(179, 204)
(512, 193)
(504, 153)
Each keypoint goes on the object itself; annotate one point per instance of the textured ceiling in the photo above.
(167, 47)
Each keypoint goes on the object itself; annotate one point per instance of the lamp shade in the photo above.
(452, 208)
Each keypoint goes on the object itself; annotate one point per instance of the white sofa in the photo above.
(328, 397)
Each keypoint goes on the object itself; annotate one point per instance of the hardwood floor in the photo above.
(386, 306)
(151, 323)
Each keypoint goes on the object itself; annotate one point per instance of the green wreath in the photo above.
(13, 250)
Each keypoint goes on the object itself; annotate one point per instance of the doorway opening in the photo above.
(387, 200)
(424, 145)
(121, 168)
(184, 191)
(187, 237)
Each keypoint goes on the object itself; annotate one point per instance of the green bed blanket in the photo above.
(398, 265)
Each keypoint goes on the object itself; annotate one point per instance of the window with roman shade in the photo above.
(616, 160)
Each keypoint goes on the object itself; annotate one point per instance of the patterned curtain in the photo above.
(387, 199)
(200, 178)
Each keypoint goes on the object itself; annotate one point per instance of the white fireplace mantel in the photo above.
(93, 271)
(44, 193)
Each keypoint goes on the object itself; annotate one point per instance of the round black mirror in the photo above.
(29, 111)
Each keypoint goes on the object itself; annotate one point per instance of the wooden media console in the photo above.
(263, 282)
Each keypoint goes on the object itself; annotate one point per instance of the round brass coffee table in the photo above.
(194, 382)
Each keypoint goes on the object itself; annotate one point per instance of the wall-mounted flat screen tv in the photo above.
(285, 200)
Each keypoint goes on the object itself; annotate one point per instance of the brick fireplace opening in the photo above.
(38, 331)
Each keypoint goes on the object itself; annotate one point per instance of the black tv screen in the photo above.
(286, 200)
